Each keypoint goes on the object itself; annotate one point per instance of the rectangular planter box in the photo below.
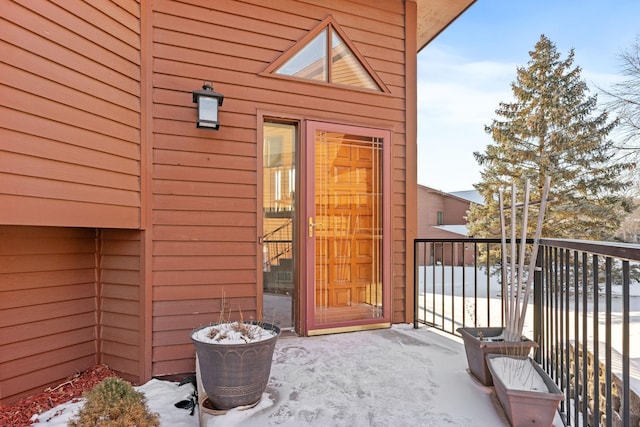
(477, 349)
(524, 407)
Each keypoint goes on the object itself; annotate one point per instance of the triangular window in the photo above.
(311, 59)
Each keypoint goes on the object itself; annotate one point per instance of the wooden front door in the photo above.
(346, 227)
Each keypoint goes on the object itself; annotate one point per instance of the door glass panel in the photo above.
(347, 228)
(278, 255)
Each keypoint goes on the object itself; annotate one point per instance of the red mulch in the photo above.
(19, 414)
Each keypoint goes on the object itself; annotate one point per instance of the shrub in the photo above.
(114, 403)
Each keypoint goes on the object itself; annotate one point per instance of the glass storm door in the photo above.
(348, 277)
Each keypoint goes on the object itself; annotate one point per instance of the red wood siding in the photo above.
(47, 306)
(120, 299)
(455, 210)
(205, 210)
(78, 140)
(70, 135)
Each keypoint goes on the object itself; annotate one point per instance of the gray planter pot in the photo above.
(235, 374)
(477, 349)
(527, 407)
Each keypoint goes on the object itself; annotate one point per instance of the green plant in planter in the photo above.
(114, 403)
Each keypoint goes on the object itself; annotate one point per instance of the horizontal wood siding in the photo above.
(47, 307)
(205, 182)
(120, 298)
(70, 113)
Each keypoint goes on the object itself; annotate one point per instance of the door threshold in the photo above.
(353, 328)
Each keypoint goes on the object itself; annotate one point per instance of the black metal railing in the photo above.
(583, 314)
(452, 286)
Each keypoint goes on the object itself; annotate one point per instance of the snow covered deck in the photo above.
(391, 377)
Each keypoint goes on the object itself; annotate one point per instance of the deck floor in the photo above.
(389, 377)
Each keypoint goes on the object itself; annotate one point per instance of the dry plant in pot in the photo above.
(479, 342)
(233, 360)
(527, 394)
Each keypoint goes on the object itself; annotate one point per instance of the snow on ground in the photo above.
(161, 397)
(391, 377)
(478, 304)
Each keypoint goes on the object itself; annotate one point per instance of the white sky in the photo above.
(468, 69)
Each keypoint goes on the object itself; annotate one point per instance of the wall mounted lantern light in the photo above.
(208, 102)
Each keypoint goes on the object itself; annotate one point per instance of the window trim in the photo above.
(329, 23)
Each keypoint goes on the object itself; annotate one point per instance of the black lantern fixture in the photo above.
(208, 102)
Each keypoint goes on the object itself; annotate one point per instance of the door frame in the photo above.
(301, 272)
(263, 117)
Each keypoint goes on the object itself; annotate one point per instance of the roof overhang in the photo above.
(435, 15)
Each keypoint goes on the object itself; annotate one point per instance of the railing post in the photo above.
(537, 303)
(416, 284)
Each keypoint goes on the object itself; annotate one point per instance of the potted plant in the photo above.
(234, 361)
(479, 342)
(527, 394)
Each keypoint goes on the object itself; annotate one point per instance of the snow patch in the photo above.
(232, 333)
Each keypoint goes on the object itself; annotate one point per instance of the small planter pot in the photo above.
(477, 349)
(525, 407)
(235, 374)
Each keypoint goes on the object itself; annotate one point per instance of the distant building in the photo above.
(444, 216)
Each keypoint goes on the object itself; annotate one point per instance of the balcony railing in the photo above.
(585, 315)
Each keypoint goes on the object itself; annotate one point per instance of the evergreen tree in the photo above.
(549, 130)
